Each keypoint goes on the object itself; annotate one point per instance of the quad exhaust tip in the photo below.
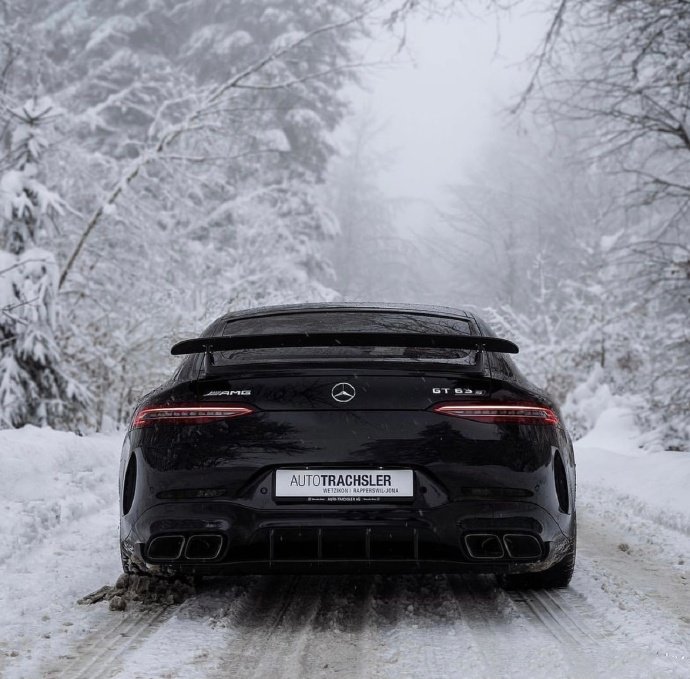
(510, 545)
(203, 547)
(167, 547)
(484, 546)
(522, 546)
(195, 547)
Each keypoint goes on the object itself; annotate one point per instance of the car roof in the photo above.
(320, 307)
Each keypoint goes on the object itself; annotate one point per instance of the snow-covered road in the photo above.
(626, 614)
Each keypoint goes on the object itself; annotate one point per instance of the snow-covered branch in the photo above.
(189, 125)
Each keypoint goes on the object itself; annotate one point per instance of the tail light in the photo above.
(500, 413)
(186, 414)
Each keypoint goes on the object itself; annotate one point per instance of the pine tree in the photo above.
(34, 387)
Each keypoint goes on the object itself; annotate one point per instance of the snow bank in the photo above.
(59, 523)
(50, 478)
(654, 484)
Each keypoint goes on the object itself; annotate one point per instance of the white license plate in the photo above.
(344, 483)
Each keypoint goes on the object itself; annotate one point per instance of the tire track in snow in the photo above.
(575, 628)
(357, 625)
(380, 627)
(634, 573)
(102, 652)
(449, 648)
(507, 639)
(482, 616)
(291, 635)
(98, 655)
(339, 642)
(640, 556)
(278, 610)
(417, 630)
(588, 616)
(552, 610)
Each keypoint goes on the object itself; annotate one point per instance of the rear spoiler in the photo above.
(207, 345)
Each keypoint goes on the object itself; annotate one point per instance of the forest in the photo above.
(164, 162)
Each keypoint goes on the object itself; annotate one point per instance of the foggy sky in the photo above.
(445, 96)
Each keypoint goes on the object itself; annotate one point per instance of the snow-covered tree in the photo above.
(543, 241)
(618, 72)
(196, 138)
(35, 387)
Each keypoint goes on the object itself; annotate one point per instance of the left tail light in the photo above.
(506, 413)
(147, 416)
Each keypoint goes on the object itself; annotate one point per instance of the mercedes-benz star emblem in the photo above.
(343, 392)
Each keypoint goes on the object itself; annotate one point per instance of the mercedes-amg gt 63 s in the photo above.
(338, 438)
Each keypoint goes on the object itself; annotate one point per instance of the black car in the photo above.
(335, 438)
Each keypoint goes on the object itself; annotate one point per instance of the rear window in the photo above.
(345, 321)
(348, 321)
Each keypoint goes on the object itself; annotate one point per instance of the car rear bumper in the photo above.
(220, 537)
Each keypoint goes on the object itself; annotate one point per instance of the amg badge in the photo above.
(231, 392)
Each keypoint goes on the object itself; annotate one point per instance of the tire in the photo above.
(128, 566)
(558, 576)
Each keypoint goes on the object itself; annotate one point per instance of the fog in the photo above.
(445, 95)
(433, 109)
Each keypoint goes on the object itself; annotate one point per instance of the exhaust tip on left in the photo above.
(484, 546)
(166, 547)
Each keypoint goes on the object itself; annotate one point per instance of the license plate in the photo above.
(344, 484)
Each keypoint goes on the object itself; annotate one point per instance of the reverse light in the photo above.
(499, 413)
(186, 414)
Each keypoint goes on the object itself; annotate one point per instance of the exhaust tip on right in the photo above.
(203, 547)
(522, 546)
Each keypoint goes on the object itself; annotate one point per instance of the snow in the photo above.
(113, 27)
(626, 614)
(608, 242)
(50, 479)
(58, 519)
(586, 402)
(615, 431)
(656, 483)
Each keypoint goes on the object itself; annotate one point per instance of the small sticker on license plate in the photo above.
(344, 484)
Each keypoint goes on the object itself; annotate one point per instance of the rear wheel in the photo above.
(559, 575)
(128, 565)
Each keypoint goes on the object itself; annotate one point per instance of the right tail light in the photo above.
(506, 413)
